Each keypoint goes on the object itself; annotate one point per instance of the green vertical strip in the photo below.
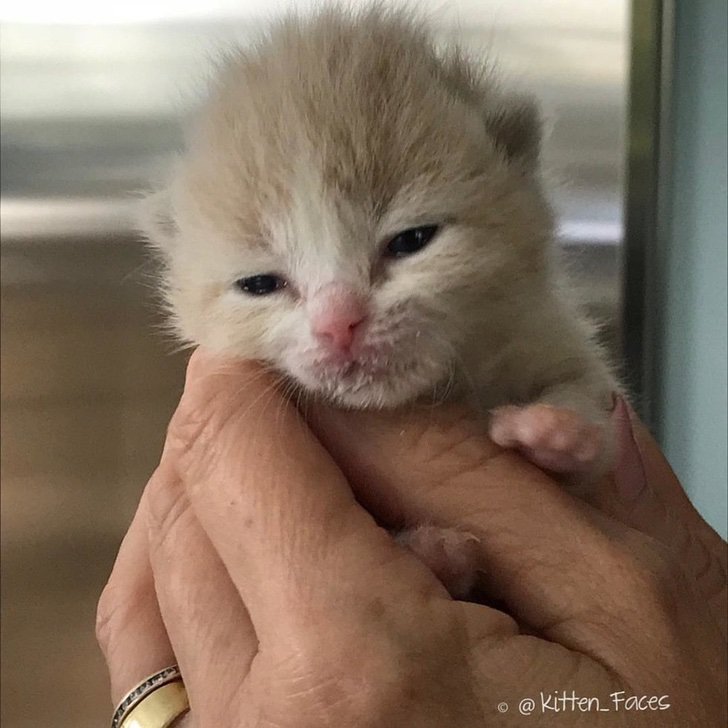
(691, 378)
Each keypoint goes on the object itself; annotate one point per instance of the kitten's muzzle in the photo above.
(336, 314)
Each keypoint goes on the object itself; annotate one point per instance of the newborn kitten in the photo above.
(363, 212)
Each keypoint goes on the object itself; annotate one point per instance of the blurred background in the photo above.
(93, 99)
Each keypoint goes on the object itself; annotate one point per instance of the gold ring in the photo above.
(156, 702)
(159, 709)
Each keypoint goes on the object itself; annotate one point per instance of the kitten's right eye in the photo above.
(261, 285)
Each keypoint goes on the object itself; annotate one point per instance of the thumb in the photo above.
(645, 494)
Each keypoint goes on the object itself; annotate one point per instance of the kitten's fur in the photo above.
(318, 145)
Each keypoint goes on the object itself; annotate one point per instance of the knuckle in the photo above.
(189, 425)
(195, 427)
(167, 505)
(110, 617)
(710, 570)
(383, 679)
(454, 447)
(316, 678)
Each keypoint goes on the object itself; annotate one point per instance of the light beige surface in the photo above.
(87, 388)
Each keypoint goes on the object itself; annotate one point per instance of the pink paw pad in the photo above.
(555, 439)
(450, 554)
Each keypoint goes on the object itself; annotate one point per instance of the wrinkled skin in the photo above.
(251, 564)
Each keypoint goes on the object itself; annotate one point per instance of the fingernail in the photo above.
(629, 475)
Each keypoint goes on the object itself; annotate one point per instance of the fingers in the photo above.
(552, 559)
(207, 623)
(644, 477)
(646, 495)
(129, 627)
(276, 508)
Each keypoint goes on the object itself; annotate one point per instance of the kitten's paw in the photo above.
(559, 440)
(450, 554)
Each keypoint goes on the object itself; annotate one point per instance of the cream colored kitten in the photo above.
(364, 212)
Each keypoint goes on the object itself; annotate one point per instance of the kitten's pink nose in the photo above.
(335, 314)
(337, 331)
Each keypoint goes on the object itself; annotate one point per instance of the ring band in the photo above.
(160, 709)
(164, 698)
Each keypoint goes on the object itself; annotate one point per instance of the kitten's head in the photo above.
(351, 206)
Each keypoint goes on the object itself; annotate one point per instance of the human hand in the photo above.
(392, 478)
(284, 603)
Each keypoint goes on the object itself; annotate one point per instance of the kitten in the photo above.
(364, 212)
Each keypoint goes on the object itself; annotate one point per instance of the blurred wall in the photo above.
(691, 380)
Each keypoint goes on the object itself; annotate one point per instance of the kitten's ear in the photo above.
(515, 125)
(156, 222)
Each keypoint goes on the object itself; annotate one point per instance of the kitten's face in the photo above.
(352, 243)
(355, 317)
(369, 311)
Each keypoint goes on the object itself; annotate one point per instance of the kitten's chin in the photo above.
(358, 387)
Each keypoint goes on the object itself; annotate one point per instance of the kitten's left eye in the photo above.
(411, 241)
(261, 285)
